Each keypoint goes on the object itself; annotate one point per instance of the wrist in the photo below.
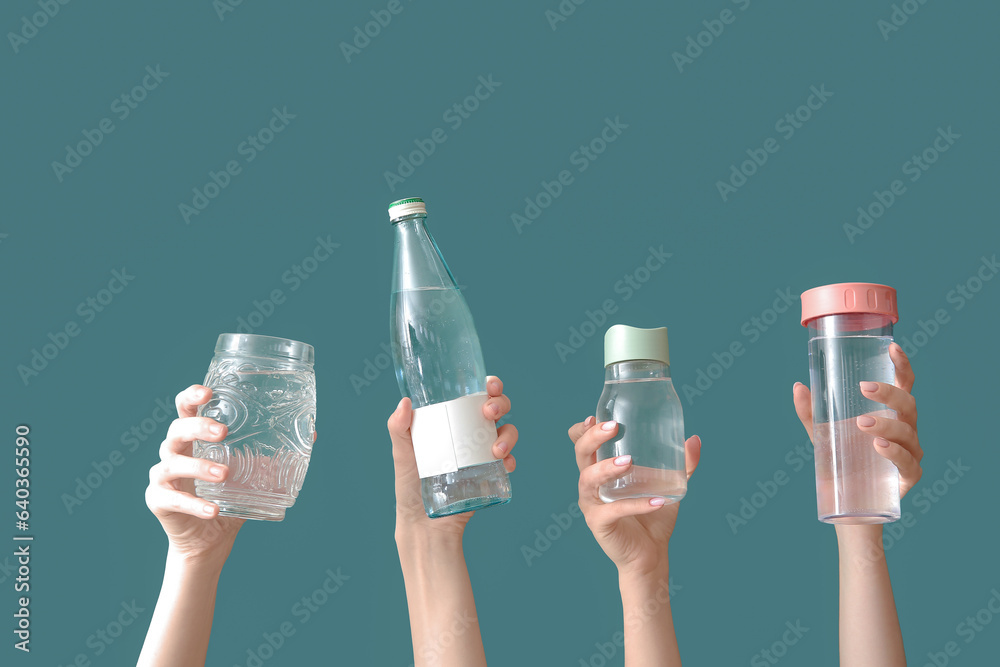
(861, 546)
(205, 566)
(862, 535)
(415, 542)
(636, 577)
(646, 567)
(645, 595)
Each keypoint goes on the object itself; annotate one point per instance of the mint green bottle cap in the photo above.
(625, 343)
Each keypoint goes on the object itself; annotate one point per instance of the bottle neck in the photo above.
(418, 263)
(639, 369)
(851, 324)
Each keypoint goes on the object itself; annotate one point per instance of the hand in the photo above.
(894, 439)
(633, 533)
(193, 526)
(410, 514)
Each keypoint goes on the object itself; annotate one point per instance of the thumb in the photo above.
(802, 399)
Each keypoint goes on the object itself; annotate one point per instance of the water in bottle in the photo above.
(640, 396)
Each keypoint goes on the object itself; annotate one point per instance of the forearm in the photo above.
(649, 622)
(182, 620)
(869, 626)
(443, 621)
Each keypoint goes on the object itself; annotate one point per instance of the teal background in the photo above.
(656, 184)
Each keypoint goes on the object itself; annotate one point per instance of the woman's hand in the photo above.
(193, 526)
(438, 588)
(200, 539)
(410, 514)
(869, 625)
(893, 439)
(633, 533)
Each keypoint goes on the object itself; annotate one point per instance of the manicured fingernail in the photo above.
(495, 409)
(881, 442)
(494, 386)
(207, 509)
(797, 384)
(215, 471)
(609, 426)
(502, 447)
(589, 421)
(869, 387)
(657, 502)
(623, 460)
(215, 429)
(865, 421)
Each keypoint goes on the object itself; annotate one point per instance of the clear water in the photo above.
(438, 358)
(853, 483)
(651, 429)
(271, 418)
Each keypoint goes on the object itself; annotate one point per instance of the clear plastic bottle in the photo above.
(640, 396)
(850, 329)
(439, 365)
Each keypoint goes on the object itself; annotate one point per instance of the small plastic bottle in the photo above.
(639, 395)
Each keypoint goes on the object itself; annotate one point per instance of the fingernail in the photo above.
(657, 502)
(207, 509)
(609, 426)
(865, 421)
(869, 386)
(494, 386)
(215, 429)
(495, 409)
(881, 442)
(502, 447)
(797, 384)
(623, 460)
(589, 421)
(215, 471)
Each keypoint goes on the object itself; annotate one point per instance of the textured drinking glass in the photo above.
(850, 329)
(264, 390)
(439, 365)
(640, 396)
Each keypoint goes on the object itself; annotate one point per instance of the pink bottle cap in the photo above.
(843, 298)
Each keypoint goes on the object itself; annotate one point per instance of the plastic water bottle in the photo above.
(439, 365)
(850, 329)
(640, 396)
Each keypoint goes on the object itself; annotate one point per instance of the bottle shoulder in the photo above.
(657, 396)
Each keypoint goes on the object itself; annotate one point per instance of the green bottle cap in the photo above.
(625, 343)
(404, 207)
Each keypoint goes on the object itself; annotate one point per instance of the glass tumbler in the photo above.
(264, 391)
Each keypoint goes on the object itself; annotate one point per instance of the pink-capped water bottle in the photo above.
(850, 330)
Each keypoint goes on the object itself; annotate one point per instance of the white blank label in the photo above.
(452, 435)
